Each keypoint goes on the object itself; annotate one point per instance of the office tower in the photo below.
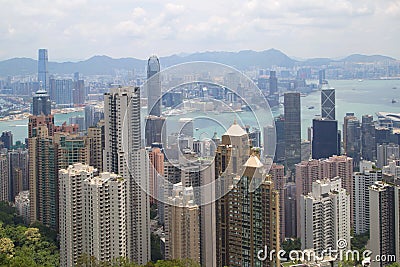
(250, 220)
(78, 92)
(368, 145)
(156, 167)
(18, 163)
(4, 182)
(43, 73)
(22, 205)
(269, 146)
(63, 92)
(124, 155)
(352, 138)
(292, 128)
(182, 233)
(382, 135)
(105, 225)
(255, 137)
(154, 87)
(384, 200)
(325, 141)
(280, 140)
(328, 103)
(325, 216)
(387, 152)
(71, 216)
(273, 83)
(7, 139)
(362, 180)
(321, 78)
(96, 141)
(154, 130)
(41, 104)
(277, 173)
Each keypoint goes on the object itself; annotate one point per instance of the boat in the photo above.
(360, 80)
(394, 101)
(311, 107)
(394, 88)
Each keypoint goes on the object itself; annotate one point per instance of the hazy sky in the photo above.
(79, 29)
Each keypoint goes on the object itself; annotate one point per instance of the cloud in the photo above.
(81, 28)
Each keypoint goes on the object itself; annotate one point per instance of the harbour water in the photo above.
(366, 97)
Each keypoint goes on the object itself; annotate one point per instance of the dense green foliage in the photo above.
(358, 242)
(155, 248)
(291, 244)
(24, 246)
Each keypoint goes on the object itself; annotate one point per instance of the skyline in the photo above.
(73, 30)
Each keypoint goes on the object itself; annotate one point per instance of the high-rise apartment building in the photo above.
(273, 82)
(4, 182)
(43, 73)
(124, 155)
(386, 152)
(328, 103)
(362, 180)
(18, 171)
(105, 216)
(277, 173)
(292, 128)
(22, 205)
(249, 194)
(182, 232)
(64, 92)
(96, 141)
(71, 216)
(7, 139)
(384, 201)
(156, 167)
(325, 216)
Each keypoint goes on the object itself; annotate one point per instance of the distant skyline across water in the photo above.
(365, 97)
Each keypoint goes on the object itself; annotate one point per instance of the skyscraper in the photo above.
(154, 87)
(18, 162)
(43, 73)
(384, 200)
(41, 104)
(277, 173)
(352, 138)
(362, 180)
(292, 129)
(64, 92)
(7, 139)
(325, 216)
(328, 103)
(273, 83)
(124, 155)
(325, 141)
(72, 218)
(4, 182)
(183, 228)
(321, 78)
(368, 145)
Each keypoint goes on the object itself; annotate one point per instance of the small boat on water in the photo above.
(311, 107)
(394, 101)
(394, 88)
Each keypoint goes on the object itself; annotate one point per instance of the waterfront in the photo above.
(366, 97)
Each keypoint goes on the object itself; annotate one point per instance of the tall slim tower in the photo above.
(325, 141)
(154, 87)
(124, 155)
(292, 130)
(43, 73)
(328, 103)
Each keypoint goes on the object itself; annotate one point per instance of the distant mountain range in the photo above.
(241, 60)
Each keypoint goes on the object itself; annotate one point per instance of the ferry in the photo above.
(394, 101)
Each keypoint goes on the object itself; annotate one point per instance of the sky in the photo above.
(79, 29)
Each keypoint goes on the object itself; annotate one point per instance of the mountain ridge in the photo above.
(244, 59)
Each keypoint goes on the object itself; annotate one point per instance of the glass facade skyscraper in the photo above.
(43, 73)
